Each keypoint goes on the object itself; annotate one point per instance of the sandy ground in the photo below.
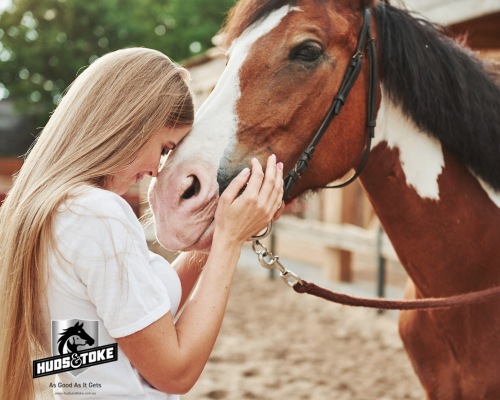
(277, 344)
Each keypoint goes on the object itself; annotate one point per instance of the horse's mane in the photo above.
(448, 92)
(65, 335)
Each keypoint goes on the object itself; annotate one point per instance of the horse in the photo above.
(72, 338)
(432, 176)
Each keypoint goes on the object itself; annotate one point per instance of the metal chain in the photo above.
(274, 263)
(262, 252)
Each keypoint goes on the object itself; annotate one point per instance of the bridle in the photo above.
(301, 286)
(350, 77)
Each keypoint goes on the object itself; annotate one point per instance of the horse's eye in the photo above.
(308, 53)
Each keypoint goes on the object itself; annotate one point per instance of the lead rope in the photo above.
(301, 286)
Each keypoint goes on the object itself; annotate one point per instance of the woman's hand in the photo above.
(239, 218)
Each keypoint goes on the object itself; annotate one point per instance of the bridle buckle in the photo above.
(295, 169)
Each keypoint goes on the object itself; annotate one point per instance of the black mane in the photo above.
(443, 87)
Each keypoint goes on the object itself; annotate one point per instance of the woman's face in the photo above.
(148, 159)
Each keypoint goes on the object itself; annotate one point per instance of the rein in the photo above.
(301, 286)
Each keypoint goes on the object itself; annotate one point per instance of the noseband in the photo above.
(350, 77)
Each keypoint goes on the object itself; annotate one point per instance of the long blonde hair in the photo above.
(106, 117)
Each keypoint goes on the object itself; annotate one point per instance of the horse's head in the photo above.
(285, 63)
(77, 331)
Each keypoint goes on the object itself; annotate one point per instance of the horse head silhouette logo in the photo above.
(73, 337)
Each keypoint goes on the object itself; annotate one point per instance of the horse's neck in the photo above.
(443, 222)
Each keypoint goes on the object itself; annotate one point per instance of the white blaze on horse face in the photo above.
(183, 219)
(216, 122)
(421, 156)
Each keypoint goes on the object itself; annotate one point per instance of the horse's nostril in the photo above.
(193, 189)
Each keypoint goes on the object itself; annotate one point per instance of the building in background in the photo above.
(477, 20)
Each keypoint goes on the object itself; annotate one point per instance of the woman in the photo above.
(72, 250)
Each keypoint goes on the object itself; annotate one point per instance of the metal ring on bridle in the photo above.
(265, 234)
(268, 229)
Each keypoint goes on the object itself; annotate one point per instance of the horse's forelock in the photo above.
(246, 12)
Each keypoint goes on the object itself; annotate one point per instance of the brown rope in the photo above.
(384, 304)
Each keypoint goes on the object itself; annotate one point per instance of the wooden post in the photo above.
(339, 207)
(337, 265)
(332, 206)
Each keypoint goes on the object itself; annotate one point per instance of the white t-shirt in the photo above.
(104, 272)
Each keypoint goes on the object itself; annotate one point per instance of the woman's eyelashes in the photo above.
(166, 151)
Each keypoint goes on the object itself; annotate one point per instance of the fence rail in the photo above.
(345, 237)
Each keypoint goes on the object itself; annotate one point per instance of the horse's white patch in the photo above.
(492, 193)
(216, 122)
(421, 156)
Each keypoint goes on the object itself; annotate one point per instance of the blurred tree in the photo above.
(44, 43)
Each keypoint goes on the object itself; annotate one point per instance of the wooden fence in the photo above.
(330, 246)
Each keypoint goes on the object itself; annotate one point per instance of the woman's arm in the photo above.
(171, 357)
(188, 267)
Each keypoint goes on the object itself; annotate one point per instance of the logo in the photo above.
(73, 336)
(75, 348)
